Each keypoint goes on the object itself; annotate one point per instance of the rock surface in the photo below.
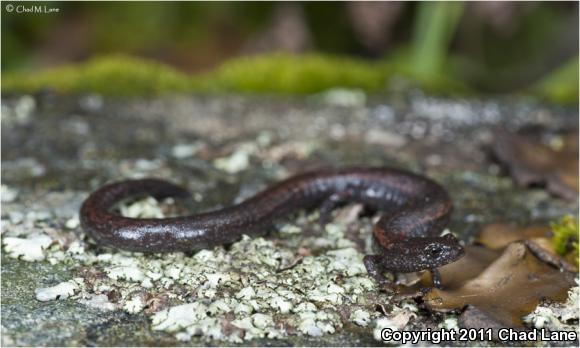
(55, 150)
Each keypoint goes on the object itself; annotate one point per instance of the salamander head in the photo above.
(441, 251)
(417, 254)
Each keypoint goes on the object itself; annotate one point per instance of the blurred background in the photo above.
(295, 47)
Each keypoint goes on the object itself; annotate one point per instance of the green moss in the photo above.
(565, 239)
(561, 86)
(109, 75)
(276, 73)
(292, 74)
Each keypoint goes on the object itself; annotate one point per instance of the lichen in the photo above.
(145, 207)
(236, 162)
(565, 239)
(450, 323)
(360, 317)
(21, 112)
(8, 194)
(255, 289)
(60, 291)
(99, 302)
(28, 249)
(181, 151)
(558, 316)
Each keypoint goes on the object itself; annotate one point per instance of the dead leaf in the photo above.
(455, 274)
(499, 235)
(537, 238)
(531, 162)
(508, 288)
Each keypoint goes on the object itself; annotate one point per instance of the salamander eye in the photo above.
(433, 250)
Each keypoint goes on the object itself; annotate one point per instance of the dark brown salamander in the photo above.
(408, 234)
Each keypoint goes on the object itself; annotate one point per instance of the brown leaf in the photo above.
(499, 235)
(508, 287)
(531, 162)
(537, 238)
(455, 274)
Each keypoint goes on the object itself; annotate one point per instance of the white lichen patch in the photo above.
(123, 267)
(60, 291)
(186, 150)
(31, 248)
(21, 112)
(360, 317)
(144, 208)
(290, 229)
(72, 223)
(8, 194)
(318, 323)
(257, 326)
(450, 323)
(134, 305)
(179, 317)
(236, 162)
(99, 302)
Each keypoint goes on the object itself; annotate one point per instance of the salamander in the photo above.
(407, 235)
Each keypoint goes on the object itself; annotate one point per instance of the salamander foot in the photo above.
(375, 269)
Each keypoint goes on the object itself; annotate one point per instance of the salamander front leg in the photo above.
(435, 277)
(375, 268)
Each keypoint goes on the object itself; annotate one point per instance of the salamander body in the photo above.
(416, 210)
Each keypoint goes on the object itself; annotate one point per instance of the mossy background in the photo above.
(565, 237)
(144, 48)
